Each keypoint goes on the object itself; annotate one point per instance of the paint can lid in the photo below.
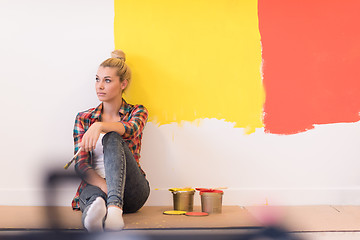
(174, 212)
(196, 214)
(182, 189)
(209, 190)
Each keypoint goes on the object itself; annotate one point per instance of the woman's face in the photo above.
(107, 85)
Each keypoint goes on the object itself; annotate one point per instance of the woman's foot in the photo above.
(94, 218)
(114, 220)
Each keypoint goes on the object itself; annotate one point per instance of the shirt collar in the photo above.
(125, 107)
(97, 112)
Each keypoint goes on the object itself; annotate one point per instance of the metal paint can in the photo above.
(211, 201)
(183, 199)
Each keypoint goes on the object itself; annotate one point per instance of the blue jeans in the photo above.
(126, 184)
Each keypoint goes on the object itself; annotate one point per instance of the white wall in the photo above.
(50, 51)
(316, 167)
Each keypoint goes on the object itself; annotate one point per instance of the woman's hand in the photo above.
(91, 136)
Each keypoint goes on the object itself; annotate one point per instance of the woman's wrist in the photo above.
(99, 126)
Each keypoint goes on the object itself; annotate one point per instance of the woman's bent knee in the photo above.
(111, 137)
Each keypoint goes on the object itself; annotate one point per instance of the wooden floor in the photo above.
(294, 219)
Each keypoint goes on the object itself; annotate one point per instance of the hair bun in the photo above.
(118, 54)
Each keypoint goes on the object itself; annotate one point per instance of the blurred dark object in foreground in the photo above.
(260, 234)
(53, 180)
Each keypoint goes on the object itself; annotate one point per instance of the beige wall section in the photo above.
(49, 54)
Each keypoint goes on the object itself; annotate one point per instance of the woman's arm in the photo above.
(82, 162)
(128, 129)
(112, 127)
(91, 136)
(135, 125)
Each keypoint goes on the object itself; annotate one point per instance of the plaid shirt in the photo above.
(133, 117)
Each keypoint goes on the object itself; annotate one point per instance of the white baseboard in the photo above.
(241, 197)
(291, 197)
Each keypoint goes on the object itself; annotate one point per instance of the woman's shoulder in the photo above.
(139, 108)
(136, 107)
(86, 113)
(89, 113)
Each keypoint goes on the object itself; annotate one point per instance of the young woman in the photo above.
(110, 140)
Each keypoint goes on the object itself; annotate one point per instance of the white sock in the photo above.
(114, 220)
(95, 215)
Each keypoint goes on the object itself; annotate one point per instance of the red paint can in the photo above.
(211, 200)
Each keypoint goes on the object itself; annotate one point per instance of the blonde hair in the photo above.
(117, 61)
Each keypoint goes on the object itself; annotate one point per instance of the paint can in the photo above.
(183, 199)
(211, 200)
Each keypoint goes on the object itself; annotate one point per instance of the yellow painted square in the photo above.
(193, 59)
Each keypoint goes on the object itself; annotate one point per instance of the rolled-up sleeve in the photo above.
(82, 162)
(136, 122)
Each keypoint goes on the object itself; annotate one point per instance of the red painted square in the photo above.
(311, 53)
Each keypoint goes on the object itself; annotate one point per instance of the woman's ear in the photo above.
(124, 84)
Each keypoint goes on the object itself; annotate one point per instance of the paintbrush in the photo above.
(73, 158)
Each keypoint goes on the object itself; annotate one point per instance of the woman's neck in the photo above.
(111, 109)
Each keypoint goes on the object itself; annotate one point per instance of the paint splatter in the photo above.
(311, 54)
(193, 59)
